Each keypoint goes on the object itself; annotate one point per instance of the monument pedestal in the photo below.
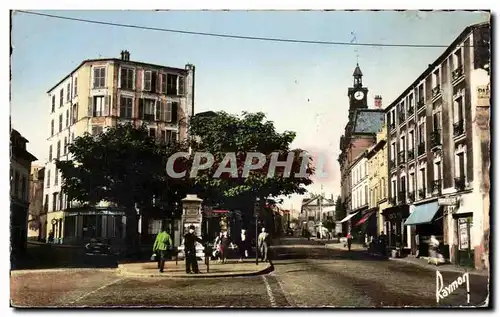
(192, 216)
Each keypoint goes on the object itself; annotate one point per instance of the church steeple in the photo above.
(358, 83)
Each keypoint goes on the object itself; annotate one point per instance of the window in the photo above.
(99, 77)
(24, 189)
(72, 137)
(65, 148)
(127, 78)
(53, 103)
(393, 188)
(61, 198)
(56, 177)
(154, 226)
(171, 84)
(173, 137)
(54, 201)
(366, 194)
(181, 85)
(126, 107)
(147, 109)
(411, 182)
(68, 92)
(98, 106)
(410, 101)
(402, 144)
(50, 153)
(457, 59)
(48, 179)
(421, 95)
(383, 187)
(393, 151)
(67, 118)
(436, 81)
(163, 87)
(437, 171)
(402, 185)
(97, 129)
(147, 85)
(16, 184)
(74, 114)
(75, 87)
(411, 140)
(436, 121)
(422, 178)
(152, 132)
(61, 97)
(46, 203)
(160, 111)
(163, 135)
(58, 152)
(458, 110)
(60, 122)
(421, 133)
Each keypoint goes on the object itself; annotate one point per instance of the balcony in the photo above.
(411, 196)
(392, 164)
(457, 74)
(402, 117)
(435, 138)
(411, 110)
(402, 197)
(460, 183)
(421, 148)
(436, 91)
(436, 187)
(421, 193)
(458, 128)
(420, 103)
(392, 201)
(401, 157)
(411, 154)
(392, 126)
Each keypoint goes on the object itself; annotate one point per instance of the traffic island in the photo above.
(173, 270)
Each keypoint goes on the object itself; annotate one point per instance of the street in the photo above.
(306, 275)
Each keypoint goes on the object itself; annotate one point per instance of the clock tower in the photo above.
(357, 93)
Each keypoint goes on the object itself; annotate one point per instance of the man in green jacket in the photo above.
(162, 243)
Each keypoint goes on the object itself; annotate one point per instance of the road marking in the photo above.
(269, 292)
(288, 298)
(96, 290)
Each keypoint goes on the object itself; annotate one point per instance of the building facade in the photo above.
(37, 217)
(20, 166)
(377, 179)
(101, 93)
(316, 210)
(437, 152)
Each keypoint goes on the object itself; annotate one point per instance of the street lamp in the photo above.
(256, 211)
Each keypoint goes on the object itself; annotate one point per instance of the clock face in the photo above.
(359, 95)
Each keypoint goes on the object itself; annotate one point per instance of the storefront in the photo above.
(368, 223)
(427, 218)
(394, 226)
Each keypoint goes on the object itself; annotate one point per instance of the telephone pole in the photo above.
(321, 213)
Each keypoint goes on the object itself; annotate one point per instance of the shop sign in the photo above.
(448, 201)
(483, 95)
(463, 233)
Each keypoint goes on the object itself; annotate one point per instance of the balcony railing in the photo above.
(435, 138)
(392, 164)
(411, 154)
(458, 128)
(402, 197)
(460, 183)
(420, 103)
(421, 193)
(411, 196)
(392, 201)
(402, 117)
(401, 157)
(421, 148)
(436, 91)
(436, 187)
(392, 125)
(457, 73)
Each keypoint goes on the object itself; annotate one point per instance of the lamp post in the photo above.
(256, 212)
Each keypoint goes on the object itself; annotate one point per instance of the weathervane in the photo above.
(354, 40)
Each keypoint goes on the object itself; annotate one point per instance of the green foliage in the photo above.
(329, 225)
(340, 211)
(249, 132)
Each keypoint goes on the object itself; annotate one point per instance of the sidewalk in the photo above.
(230, 269)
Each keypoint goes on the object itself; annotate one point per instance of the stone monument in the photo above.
(192, 215)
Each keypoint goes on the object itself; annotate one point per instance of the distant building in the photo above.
(97, 94)
(20, 166)
(314, 212)
(37, 218)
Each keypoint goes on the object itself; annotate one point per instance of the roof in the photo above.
(115, 60)
(368, 120)
(438, 61)
(357, 71)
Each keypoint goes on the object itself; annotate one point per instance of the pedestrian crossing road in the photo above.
(306, 275)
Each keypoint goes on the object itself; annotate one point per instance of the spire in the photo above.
(357, 76)
(357, 71)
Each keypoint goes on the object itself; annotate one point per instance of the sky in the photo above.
(300, 87)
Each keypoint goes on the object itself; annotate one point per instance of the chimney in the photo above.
(378, 102)
(125, 55)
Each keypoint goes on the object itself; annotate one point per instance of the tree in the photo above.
(221, 133)
(124, 166)
(340, 211)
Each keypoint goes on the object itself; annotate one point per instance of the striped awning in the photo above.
(349, 217)
(364, 218)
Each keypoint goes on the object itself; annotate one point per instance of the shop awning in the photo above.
(364, 218)
(422, 214)
(220, 211)
(348, 217)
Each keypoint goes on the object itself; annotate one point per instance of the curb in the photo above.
(266, 270)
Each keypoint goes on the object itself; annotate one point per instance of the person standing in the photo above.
(224, 246)
(349, 241)
(190, 240)
(162, 243)
(243, 247)
(263, 244)
(382, 241)
(417, 245)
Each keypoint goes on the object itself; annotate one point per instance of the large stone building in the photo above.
(20, 166)
(97, 94)
(360, 134)
(438, 147)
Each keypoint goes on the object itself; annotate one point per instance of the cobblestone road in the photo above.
(306, 275)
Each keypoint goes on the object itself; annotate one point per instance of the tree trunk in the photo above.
(132, 237)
